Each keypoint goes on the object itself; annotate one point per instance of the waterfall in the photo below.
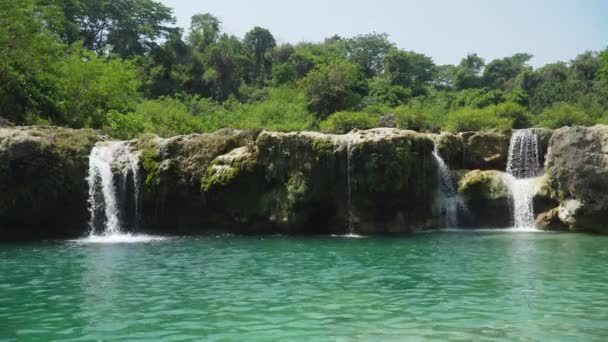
(448, 201)
(113, 175)
(349, 199)
(523, 167)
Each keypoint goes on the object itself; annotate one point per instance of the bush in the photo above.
(509, 110)
(564, 114)
(283, 109)
(472, 119)
(344, 122)
(124, 126)
(414, 119)
(168, 116)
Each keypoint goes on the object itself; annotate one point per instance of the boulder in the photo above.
(487, 198)
(451, 149)
(486, 150)
(43, 188)
(550, 220)
(577, 166)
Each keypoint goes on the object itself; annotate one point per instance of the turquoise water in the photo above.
(440, 286)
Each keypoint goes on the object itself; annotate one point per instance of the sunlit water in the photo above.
(439, 286)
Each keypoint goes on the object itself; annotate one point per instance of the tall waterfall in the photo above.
(448, 201)
(113, 188)
(523, 167)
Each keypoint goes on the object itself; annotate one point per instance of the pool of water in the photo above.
(440, 286)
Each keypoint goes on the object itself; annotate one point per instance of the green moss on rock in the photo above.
(488, 185)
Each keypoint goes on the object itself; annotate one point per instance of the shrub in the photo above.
(414, 119)
(509, 110)
(344, 122)
(124, 126)
(472, 119)
(564, 114)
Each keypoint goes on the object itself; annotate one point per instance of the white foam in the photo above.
(120, 238)
(349, 236)
(487, 230)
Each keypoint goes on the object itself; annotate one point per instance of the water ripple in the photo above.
(438, 286)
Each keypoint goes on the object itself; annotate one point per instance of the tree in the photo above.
(586, 66)
(468, 72)
(409, 69)
(204, 31)
(444, 76)
(124, 27)
(333, 87)
(226, 64)
(172, 68)
(28, 51)
(563, 114)
(604, 68)
(501, 73)
(260, 42)
(369, 51)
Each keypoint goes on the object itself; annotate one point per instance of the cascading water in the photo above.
(349, 204)
(113, 175)
(448, 202)
(523, 167)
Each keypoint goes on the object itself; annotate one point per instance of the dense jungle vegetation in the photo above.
(123, 66)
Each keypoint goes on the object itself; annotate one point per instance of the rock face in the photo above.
(487, 198)
(487, 150)
(43, 191)
(290, 182)
(577, 165)
(376, 181)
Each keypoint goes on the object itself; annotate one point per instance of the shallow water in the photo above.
(440, 286)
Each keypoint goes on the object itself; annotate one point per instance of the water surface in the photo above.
(441, 286)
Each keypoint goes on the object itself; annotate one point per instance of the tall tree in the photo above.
(204, 31)
(409, 69)
(468, 72)
(369, 51)
(501, 73)
(125, 27)
(333, 87)
(226, 64)
(260, 42)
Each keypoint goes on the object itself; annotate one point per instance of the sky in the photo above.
(447, 30)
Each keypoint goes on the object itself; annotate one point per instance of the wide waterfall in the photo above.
(113, 188)
(448, 202)
(523, 167)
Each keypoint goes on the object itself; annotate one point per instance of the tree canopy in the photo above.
(122, 66)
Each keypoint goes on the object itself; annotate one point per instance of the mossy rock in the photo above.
(451, 149)
(486, 150)
(480, 184)
(224, 169)
(43, 188)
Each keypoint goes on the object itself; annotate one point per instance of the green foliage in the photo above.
(409, 69)
(118, 65)
(513, 111)
(603, 72)
(344, 122)
(563, 114)
(383, 92)
(369, 51)
(168, 116)
(332, 87)
(472, 119)
(124, 27)
(417, 119)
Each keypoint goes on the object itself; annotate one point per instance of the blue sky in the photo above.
(445, 30)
